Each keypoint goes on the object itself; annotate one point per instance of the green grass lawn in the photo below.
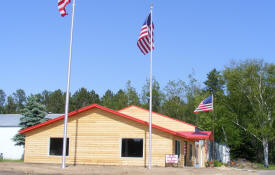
(9, 160)
(270, 167)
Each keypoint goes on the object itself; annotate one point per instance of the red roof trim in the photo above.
(197, 135)
(91, 107)
(180, 134)
(59, 118)
(157, 114)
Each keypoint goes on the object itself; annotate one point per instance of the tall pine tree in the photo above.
(132, 94)
(10, 107)
(157, 95)
(33, 113)
(2, 101)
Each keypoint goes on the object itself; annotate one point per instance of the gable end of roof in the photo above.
(157, 114)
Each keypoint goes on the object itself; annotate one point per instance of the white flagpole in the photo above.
(68, 92)
(150, 105)
(213, 146)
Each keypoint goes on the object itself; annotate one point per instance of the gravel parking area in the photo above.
(15, 168)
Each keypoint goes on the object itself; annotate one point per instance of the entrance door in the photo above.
(197, 155)
(185, 152)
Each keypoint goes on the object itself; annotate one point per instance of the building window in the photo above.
(132, 148)
(190, 154)
(56, 146)
(177, 148)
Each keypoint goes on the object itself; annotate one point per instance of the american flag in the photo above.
(61, 6)
(205, 105)
(144, 40)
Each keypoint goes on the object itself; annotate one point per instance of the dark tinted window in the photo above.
(177, 148)
(190, 154)
(132, 148)
(56, 146)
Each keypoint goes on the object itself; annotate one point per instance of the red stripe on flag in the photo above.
(144, 40)
(61, 6)
(60, 2)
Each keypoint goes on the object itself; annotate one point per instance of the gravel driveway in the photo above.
(15, 168)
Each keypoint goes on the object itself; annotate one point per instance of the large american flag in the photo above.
(61, 6)
(144, 40)
(205, 105)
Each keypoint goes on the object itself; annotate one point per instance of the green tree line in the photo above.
(244, 97)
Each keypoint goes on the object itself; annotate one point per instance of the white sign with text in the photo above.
(171, 158)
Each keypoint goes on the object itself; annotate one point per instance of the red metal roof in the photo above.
(73, 113)
(197, 135)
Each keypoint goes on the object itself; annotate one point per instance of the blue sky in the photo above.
(190, 36)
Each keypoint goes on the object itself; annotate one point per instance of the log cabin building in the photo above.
(101, 136)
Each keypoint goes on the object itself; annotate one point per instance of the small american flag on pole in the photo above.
(61, 6)
(205, 105)
(144, 40)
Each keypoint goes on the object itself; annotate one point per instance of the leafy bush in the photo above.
(217, 163)
(209, 164)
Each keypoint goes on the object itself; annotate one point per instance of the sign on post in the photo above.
(171, 158)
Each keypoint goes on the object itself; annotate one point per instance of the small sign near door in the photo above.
(171, 158)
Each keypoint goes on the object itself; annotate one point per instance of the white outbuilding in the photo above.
(9, 127)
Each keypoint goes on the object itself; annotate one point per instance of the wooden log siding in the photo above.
(157, 119)
(95, 138)
(181, 158)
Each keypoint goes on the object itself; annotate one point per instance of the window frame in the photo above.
(67, 145)
(128, 156)
(176, 146)
(190, 151)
